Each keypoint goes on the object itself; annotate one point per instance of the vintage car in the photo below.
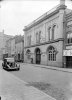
(10, 64)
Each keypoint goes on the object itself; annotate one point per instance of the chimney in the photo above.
(62, 2)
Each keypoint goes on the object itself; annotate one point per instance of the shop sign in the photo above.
(67, 52)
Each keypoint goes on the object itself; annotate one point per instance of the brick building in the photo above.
(45, 37)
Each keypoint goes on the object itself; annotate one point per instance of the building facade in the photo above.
(68, 41)
(15, 47)
(1, 44)
(3, 48)
(44, 38)
(8, 47)
(19, 48)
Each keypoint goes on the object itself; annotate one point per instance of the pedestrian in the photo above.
(32, 60)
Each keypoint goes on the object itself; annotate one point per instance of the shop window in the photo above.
(51, 54)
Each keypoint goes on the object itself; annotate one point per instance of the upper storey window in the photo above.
(53, 31)
(49, 33)
(69, 38)
(29, 40)
(38, 37)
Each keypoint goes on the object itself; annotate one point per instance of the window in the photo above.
(38, 37)
(51, 54)
(53, 31)
(69, 38)
(49, 33)
(29, 40)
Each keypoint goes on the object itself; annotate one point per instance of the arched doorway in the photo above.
(38, 55)
(28, 53)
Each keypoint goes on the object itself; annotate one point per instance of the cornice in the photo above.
(44, 17)
(49, 42)
(41, 20)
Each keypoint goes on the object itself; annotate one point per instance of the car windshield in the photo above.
(10, 59)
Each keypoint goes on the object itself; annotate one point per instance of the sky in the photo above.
(15, 14)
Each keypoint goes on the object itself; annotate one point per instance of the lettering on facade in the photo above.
(67, 53)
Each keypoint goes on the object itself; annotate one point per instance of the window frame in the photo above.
(49, 33)
(51, 54)
(69, 38)
(38, 36)
(53, 31)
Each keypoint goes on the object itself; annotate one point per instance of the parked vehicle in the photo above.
(10, 64)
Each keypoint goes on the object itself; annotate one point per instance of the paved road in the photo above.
(29, 73)
(60, 79)
(12, 88)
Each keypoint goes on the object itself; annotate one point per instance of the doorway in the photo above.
(18, 57)
(69, 61)
(38, 56)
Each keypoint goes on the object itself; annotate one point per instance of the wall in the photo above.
(12, 46)
(56, 19)
(44, 58)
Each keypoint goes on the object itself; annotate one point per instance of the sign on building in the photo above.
(67, 52)
(68, 47)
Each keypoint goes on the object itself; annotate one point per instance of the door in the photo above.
(69, 61)
(38, 56)
(18, 57)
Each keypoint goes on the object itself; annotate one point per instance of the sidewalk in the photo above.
(12, 88)
(69, 70)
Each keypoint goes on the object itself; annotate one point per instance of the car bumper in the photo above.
(11, 69)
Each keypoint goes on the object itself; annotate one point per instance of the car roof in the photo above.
(10, 59)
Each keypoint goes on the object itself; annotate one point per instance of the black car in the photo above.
(10, 64)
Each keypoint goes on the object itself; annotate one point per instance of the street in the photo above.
(30, 73)
(12, 88)
(36, 50)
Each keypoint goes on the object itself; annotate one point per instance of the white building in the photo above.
(45, 37)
